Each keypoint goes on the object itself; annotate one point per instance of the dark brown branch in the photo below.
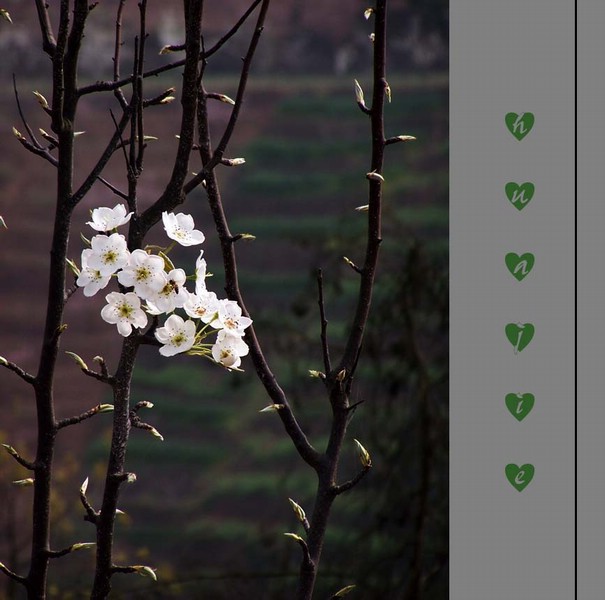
(30, 466)
(232, 31)
(48, 39)
(11, 366)
(85, 415)
(4, 569)
(323, 323)
(95, 173)
(116, 56)
(217, 155)
(21, 114)
(108, 86)
(340, 489)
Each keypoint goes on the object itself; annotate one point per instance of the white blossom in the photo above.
(173, 294)
(228, 349)
(230, 318)
(200, 274)
(106, 219)
(145, 272)
(176, 335)
(124, 310)
(180, 227)
(91, 279)
(202, 305)
(109, 253)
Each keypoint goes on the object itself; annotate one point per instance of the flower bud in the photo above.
(271, 408)
(155, 433)
(18, 134)
(359, 93)
(372, 37)
(24, 482)
(341, 375)
(77, 360)
(82, 546)
(10, 450)
(131, 477)
(368, 12)
(84, 487)
(145, 571)
(364, 455)
(247, 236)
(3, 222)
(298, 510)
(233, 162)
(317, 374)
(344, 591)
(363, 208)
(5, 15)
(104, 408)
(167, 100)
(387, 91)
(294, 537)
(373, 176)
(41, 100)
(3, 361)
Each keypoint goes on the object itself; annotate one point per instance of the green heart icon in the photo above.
(519, 124)
(519, 194)
(519, 265)
(519, 477)
(519, 405)
(519, 335)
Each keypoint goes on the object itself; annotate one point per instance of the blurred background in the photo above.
(210, 503)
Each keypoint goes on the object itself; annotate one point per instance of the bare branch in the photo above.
(99, 408)
(323, 323)
(48, 39)
(12, 575)
(11, 366)
(340, 489)
(22, 461)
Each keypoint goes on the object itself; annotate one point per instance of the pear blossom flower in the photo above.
(230, 318)
(124, 310)
(228, 349)
(200, 274)
(109, 253)
(106, 219)
(91, 279)
(172, 295)
(202, 305)
(145, 272)
(180, 227)
(177, 335)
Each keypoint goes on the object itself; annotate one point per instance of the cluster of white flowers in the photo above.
(158, 288)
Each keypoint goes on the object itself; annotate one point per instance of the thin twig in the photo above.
(11, 366)
(340, 489)
(324, 323)
(12, 574)
(85, 415)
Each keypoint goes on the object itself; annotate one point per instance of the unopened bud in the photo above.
(359, 93)
(387, 91)
(78, 133)
(271, 408)
(41, 100)
(373, 176)
(82, 546)
(166, 50)
(3, 222)
(10, 450)
(5, 15)
(78, 360)
(368, 12)
(363, 208)
(72, 265)
(316, 374)
(247, 236)
(372, 37)
(24, 482)
(298, 510)
(167, 100)
(234, 162)
(119, 512)
(155, 433)
(145, 571)
(3, 361)
(17, 134)
(341, 375)
(406, 138)
(131, 477)
(294, 537)
(344, 591)
(84, 487)
(105, 408)
(364, 455)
